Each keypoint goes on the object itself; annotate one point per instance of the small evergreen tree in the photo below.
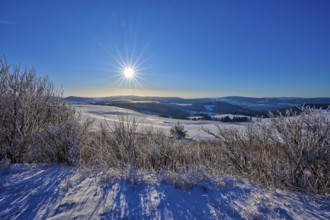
(178, 131)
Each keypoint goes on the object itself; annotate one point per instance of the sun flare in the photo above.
(129, 69)
(128, 72)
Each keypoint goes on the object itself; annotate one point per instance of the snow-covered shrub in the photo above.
(305, 141)
(124, 132)
(29, 107)
(290, 151)
(62, 142)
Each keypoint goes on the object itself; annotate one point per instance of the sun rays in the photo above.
(128, 69)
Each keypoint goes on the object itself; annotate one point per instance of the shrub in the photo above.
(291, 151)
(305, 141)
(31, 110)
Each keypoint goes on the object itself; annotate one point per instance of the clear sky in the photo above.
(185, 48)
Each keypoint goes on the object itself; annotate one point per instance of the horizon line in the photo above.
(215, 97)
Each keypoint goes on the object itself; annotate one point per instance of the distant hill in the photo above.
(273, 103)
(175, 107)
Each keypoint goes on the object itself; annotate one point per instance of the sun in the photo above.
(128, 72)
(129, 69)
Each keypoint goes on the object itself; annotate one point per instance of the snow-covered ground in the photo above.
(109, 113)
(59, 192)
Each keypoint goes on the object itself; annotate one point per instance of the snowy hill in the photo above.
(173, 107)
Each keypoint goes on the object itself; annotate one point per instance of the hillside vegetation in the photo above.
(288, 151)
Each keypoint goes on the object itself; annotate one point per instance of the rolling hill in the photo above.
(174, 107)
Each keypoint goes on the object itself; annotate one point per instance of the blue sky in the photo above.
(179, 48)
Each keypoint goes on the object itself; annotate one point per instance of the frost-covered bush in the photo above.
(62, 143)
(30, 107)
(305, 141)
(291, 150)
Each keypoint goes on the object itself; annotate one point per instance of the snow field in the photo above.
(110, 114)
(59, 192)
